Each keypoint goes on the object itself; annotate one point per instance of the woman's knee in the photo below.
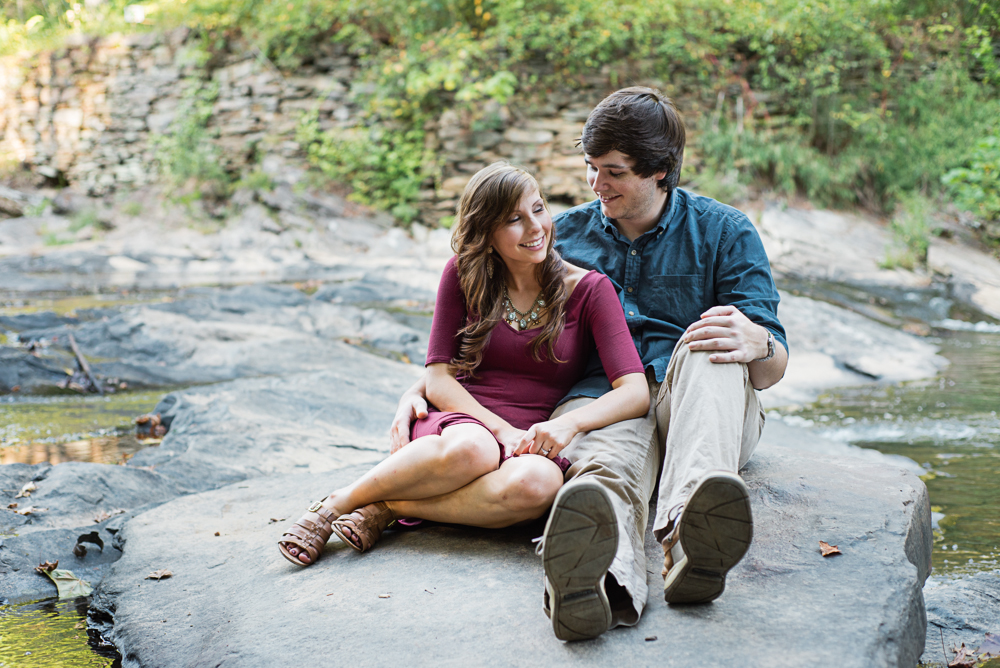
(469, 447)
(534, 486)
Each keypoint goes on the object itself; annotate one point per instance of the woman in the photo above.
(514, 326)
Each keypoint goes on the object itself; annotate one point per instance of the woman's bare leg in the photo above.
(427, 467)
(522, 489)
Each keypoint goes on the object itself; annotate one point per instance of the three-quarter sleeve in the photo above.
(449, 318)
(610, 331)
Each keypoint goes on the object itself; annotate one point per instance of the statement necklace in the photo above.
(522, 319)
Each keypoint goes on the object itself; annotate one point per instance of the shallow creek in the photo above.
(950, 426)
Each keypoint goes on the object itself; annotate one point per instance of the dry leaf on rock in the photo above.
(47, 566)
(964, 658)
(828, 550)
(385, 595)
(11, 506)
(29, 510)
(26, 490)
(161, 574)
(104, 515)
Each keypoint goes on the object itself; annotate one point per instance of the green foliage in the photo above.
(85, 218)
(255, 180)
(385, 168)
(184, 152)
(863, 102)
(910, 234)
(976, 185)
(132, 208)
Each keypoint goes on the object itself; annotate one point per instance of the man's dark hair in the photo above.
(643, 124)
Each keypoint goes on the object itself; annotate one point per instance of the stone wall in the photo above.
(87, 114)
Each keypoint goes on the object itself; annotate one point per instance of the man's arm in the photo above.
(737, 339)
(412, 406)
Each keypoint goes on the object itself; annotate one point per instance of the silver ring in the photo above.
(544, 452)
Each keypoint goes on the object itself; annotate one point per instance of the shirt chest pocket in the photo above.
(678, 299)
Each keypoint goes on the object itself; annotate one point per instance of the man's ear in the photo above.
(659, 176)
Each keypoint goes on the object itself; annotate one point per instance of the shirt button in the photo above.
(633, 252)
(629, 289)
(631, 313)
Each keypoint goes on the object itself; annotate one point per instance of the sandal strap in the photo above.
(311, 531)
(367, 523)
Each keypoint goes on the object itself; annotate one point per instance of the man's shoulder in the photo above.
(579, 214)
(707, 209)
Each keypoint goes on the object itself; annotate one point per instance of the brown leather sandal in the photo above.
(310, 532)
(366, 525)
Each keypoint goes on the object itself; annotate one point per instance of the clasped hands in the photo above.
(726, 330)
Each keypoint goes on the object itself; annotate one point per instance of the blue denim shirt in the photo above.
(701, 254)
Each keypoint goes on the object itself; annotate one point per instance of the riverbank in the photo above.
(325, 323)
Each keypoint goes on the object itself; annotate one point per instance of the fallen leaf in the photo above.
(29, 510)
(79, 551)
(11, 506)
(964, 658)
(828, 550)
(217, 533)
(277, 519)
(68, 585)
(385, 595)
(650, 638)
(26, 491)
(105, 515)
(161, 574)
(16, 388)
(47, 566)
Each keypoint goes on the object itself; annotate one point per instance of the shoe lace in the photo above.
(539, 544)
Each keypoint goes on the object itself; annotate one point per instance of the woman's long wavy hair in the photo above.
(487, 204)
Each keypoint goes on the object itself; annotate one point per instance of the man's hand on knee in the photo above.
(411, 407)
(728, 334)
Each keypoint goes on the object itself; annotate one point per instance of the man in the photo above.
(698, 296)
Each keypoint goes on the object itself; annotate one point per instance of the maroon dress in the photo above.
(509, 381)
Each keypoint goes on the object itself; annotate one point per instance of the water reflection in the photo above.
(52, 633)
(102, 450)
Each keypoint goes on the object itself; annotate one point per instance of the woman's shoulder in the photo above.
(577, 277)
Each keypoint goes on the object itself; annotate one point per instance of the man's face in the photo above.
(624, 194)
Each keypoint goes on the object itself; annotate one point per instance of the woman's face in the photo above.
(523, 239)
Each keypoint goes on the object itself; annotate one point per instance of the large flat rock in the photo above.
(460, 596)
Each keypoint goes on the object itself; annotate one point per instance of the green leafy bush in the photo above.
(384, 168)
(185, 154)
(976, 185)
(910, 234)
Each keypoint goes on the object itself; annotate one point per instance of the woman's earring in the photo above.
(489, 266)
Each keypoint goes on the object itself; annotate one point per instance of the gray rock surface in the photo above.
(961, 610)
(220, 434)
(460, 596)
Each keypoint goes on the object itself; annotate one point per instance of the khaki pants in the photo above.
(703, 417)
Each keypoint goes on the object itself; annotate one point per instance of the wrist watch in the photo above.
(770, 349)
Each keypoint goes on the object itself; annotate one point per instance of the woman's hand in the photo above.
(510, 437)
(547, 438)
(411, 407)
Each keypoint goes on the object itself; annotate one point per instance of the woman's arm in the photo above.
(628, 399)
(447, 394)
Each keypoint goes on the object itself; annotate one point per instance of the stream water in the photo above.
(950, 426)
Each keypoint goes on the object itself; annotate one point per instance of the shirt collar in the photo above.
(668, 215)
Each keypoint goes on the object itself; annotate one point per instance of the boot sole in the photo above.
(714, 530)
(581, 538)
